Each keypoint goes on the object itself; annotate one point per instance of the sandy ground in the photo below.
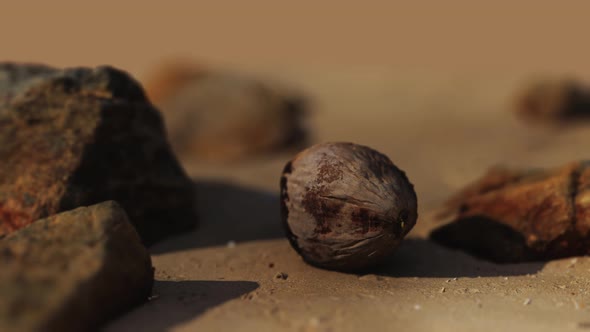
(444, 133)
(425, 83)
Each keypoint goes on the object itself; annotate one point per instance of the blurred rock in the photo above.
(170, 77)
(72, 271)
(223, 116)
(553, 101)
(521, 215)
(80, 136)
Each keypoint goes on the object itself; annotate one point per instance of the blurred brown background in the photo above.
(439, 36)
(427, 83)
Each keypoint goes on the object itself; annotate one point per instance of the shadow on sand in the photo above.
(176, 302)
(226, 213)
(233, 213)
(426, 259)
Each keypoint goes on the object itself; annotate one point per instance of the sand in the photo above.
(230, 274)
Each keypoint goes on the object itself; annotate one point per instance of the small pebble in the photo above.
(271, 265)
(527, 302)
(281, 275)
(442, 290)
(417, 307)
(231, 244)
(153, 297)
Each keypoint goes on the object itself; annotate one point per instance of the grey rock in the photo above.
(72, 271)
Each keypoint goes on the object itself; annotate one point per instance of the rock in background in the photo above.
(554, 100)
(170, 76)
(80, 136)
(72, 271)
(213, 115)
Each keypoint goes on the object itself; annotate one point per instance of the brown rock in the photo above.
(72, 271)
(81, 136)
(516, 215)
(553, 100)
(170, 77)
(221, 116)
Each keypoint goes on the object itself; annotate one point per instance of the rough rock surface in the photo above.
(553, 100)
(81, 136)
(513, 216)
(72, 271)
(222, 116)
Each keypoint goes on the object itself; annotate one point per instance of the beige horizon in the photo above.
(456, 36)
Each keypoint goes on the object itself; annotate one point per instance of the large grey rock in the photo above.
(72, 271)
(80, 136)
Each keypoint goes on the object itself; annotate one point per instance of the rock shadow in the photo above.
(175, 302)
(426, 259)
(486, 238)
(229, 212)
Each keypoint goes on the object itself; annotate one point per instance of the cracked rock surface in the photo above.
(522, 215)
